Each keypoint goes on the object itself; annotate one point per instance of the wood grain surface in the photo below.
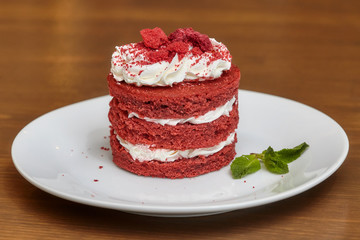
(54, 53)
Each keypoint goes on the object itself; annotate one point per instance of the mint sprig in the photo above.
(274, 161)
(244, 165)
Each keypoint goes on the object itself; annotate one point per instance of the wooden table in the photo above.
(54, 53)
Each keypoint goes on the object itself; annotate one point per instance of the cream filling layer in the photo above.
(142, 152)
(206, 118)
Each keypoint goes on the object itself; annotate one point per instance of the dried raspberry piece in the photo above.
(180, 34)
(178, 47)
(158, 55)
(200, 40)
(195, 38)
(153, 38)
(196, 51)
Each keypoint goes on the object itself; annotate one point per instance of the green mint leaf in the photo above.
(273, 163)
(288, 155)
(244, 165)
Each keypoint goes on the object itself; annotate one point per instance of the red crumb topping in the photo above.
(159, 55)
(153, 38)
(178, 47)
(177, 42)
(196, 39)
(105, 149)
(196, 51)
(157, 47)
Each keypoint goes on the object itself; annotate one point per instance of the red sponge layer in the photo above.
(178, 137)
(181, 168)
(183, 100)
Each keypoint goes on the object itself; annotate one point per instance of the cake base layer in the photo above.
(178, 137)
(181, 168)
(182, 100)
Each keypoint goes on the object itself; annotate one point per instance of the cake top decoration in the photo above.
(161, 60)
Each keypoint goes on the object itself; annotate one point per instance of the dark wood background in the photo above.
(54, 53)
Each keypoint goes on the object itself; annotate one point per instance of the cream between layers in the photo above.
(206, 118)
(143, 152)
(126, 67)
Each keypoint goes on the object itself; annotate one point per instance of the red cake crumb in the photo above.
(201, 40)
(196, 51)
(195, 38)
(154, 38)
(178, 47)
(181, 48)
(105, 149)
(156, 46)
(180, 34)
(159, 55)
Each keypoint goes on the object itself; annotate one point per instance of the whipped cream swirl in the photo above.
(129, 64)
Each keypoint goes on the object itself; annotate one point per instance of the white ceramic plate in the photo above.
(65, 153)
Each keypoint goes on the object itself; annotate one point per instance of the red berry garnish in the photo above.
(153, 38)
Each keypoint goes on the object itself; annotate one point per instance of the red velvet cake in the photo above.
(174, 108)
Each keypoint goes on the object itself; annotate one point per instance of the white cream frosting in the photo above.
(206, 118)
(127, 64)
(143, 152)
